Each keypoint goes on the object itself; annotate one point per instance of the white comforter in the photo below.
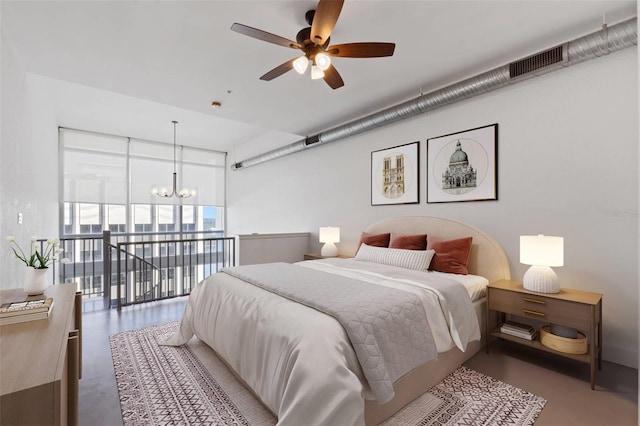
(297, 360)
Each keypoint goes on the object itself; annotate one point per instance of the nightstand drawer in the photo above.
(542, 308)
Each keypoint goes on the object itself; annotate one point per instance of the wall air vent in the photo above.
(311, 140)
(535, 62)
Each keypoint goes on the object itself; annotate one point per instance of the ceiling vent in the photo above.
(535, 62)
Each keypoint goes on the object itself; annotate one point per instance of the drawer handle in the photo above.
(540, 302)
(540, 314)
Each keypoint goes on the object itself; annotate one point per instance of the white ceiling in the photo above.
(171, 59)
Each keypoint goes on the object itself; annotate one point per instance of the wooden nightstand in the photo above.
(316, 256)
(581, 310)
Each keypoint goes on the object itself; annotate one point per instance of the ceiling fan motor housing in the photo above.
(304, 39)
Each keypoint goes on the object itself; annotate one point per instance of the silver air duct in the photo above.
(599, 43)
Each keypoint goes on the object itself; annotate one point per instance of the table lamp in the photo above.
(329, 235)
(541, 252)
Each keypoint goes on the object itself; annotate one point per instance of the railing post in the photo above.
(106, 269)
(118, 284)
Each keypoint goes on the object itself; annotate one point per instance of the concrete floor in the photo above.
(563, 383)
(99, 404)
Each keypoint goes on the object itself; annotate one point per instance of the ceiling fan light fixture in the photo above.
(323, 61)
(301, 64)
(316, 73)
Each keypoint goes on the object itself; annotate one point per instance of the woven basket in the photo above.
(563, 344)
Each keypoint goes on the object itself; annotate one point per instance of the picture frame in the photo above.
(395, 175)
(463, 166)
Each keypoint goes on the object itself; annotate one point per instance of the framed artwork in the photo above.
(394, 175)
(463, 166)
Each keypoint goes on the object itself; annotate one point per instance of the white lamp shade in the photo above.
(329, 234)
(541, 250)
(323, 61)
(301, 64)
(316, 73)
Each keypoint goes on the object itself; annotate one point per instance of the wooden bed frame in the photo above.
(487, 259)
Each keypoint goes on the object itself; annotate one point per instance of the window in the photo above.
(68, 219)
(167, 218)
(108, 181)
(117, 218)
(90, 218)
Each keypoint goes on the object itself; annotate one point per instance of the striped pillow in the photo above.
(418, 260)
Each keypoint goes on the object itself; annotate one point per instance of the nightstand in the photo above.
(316, 256)
(581, 310)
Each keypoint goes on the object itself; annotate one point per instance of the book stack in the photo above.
(26, 310)
(517, 329)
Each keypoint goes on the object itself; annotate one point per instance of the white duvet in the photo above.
(297, 360)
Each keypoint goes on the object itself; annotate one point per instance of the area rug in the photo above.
(189, 385)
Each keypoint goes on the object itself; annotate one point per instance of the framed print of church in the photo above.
(463, 166)
(394, 175)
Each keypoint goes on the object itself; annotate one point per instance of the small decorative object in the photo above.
(394, 175)
(329, 235)
(462, 166)
(37, 262)
(35, 281)
(541, 252)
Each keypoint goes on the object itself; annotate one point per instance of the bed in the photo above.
(306, 366)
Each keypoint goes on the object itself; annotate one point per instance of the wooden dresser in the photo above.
(40, 362)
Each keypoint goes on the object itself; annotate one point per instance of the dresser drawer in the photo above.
(564, 312)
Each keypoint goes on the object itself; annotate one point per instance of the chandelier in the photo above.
(163, 192)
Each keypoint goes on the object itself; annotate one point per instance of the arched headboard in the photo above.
(487, 258)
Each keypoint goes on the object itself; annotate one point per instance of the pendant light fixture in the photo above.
(163, 192)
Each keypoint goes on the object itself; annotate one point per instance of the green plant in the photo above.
(38, 259)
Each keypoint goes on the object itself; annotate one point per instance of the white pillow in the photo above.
(418, 260)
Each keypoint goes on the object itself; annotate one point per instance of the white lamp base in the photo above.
(541, 279)
(329, 250)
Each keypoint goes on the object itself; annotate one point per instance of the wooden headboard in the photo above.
(487, 258)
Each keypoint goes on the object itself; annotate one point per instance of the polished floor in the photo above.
(563, 383)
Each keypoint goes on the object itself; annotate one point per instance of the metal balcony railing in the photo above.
(132, 268)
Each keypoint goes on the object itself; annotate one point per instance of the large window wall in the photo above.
(109, 184)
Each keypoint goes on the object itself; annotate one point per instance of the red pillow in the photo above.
(375, 240)
(408, 242)
(451, 255)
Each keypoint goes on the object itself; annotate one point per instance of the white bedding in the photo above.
(476, 285)
(297, 360)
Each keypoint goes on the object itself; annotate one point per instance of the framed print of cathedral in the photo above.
(394, 175)
(463, 166)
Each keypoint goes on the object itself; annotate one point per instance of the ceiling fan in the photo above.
(314, 43)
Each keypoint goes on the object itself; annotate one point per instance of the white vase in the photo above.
(35, 281)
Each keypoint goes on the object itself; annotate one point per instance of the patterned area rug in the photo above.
(189, 385)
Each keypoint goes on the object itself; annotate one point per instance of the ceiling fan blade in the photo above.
(332, 77)
(264, 36)
(324, 20)
(362, 50)
(279, 70)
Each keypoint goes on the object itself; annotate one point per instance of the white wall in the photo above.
(28, 164)
(568, 166)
